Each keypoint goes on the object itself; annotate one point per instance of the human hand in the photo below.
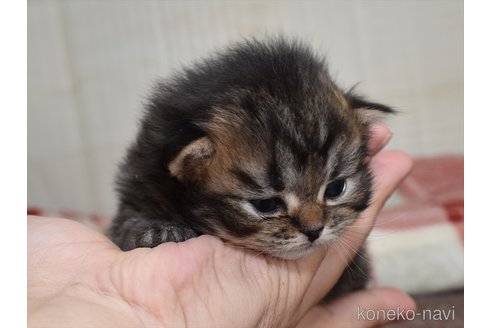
(77, 277)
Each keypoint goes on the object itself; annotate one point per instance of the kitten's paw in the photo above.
(162, 233)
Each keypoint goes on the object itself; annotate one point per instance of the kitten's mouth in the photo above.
(304, 249)
(297, 252)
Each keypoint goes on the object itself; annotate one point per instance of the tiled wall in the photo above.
(91, 64)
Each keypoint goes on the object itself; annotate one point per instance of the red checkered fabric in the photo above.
(417, 244)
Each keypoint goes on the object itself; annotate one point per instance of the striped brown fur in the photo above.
(258, 126)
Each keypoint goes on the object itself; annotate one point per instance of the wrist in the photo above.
(79, 307)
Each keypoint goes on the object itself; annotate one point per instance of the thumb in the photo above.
(365, 308)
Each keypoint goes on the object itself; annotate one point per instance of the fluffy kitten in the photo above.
(255, 145)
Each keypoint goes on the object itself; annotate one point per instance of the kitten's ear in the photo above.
(191, 163)
(369, 112)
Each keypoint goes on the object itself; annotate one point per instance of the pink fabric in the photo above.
(433, 193)
(423, 248)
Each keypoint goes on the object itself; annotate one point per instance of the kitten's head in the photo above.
(280, 161)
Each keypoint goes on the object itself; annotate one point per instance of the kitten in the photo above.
(255, 145)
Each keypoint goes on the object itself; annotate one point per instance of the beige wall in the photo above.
(91, 64)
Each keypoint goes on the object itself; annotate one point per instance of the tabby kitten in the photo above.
(255, 145)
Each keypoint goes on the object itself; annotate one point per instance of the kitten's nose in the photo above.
(312, 235)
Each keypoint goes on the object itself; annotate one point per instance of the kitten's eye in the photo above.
(267, 206)
(335, 188)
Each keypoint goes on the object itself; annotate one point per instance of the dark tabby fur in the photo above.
(255, 145)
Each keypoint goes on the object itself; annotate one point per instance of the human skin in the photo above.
(79, 278)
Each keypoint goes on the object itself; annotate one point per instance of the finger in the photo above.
(389, 168)
(366, 308)
(380, 135)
